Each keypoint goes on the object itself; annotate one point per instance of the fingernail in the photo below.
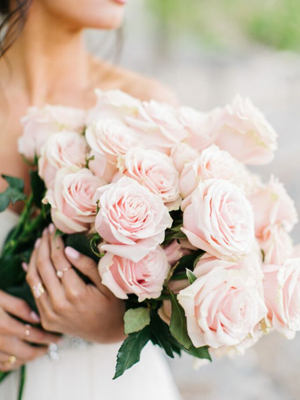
(25, 266)
(37, 243)
(35, 317)
(70, 252)
(51, 228)
(45, 231)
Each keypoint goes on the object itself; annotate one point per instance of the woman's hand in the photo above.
(68, 305)
(16, 336)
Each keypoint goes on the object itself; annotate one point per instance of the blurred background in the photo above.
(207, 51)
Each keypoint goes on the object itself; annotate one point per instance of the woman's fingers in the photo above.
(22, 351)
(84, 264)
(45, 268)
(11, 327)
(9, 362)
(18, 308)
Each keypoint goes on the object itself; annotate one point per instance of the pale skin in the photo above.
(49, 64)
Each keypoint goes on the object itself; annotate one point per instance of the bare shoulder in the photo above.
(135, 84)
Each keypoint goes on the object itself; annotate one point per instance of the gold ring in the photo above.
(11, 361)
(27, 330)
(38, 290)
(60, 273)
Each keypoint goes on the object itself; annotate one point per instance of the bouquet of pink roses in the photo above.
(194, 243)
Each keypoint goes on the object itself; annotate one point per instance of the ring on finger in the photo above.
(11, 361)
(38, 290)
(27, 330)
(60, 273)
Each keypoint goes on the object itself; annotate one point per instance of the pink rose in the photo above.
(155, 171)
(40, 123)
(222, 308)
(73, 208)
(252, 263)
(108, 139)
(212, 163)
(272, 205)
(63, 149)
(218, 219)
(159, 125)
(202, 127)
(245, 133)
(276, 244)
(182, 154)
(113, 104)
(144, 278)
(174, 251)
(282, 296)
(131, 219)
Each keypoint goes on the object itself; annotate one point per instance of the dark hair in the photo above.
(12, 23)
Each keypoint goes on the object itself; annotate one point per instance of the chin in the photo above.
(95, 14)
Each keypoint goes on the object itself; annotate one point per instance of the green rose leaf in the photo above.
(160, 334)
(200, 352)
(12, 194)
(191, 276)
(178, 326)
(130, 351)
(136, 319)
(38, 188)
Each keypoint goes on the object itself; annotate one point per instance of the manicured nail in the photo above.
(72, 253)
(35, 317)
(45, 231)
(51, 228)
(37, 243)
(25, 266)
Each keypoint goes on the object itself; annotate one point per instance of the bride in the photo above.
(43, 60)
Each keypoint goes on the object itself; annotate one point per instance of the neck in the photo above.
(49, 57)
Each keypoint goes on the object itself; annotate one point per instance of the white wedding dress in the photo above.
(84, 371)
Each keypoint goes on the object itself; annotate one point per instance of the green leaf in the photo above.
(81, 243)
(187, 262)
(160, 334)
(14, 183)
(200, 352)
(130, 351)
(191, 276)
(136, 319)
(13, 193)
(11, 272)
(38, 188)
(178, 326)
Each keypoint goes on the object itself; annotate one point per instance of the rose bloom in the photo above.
(276, 244)
(73, 208)
(174, 251)
(108, 139)
(212, 163)
(131, 219)
(63, 149)
(155, 171)
(252, 263)
(40, 123)
(218, 219)
(245, 133)
(182, 154)
(144, 278)
(159, 126)
(113, 104)
(222, 308)
(202, 127)
(272, 205)
(282, 296)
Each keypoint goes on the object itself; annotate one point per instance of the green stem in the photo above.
(22, 382)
